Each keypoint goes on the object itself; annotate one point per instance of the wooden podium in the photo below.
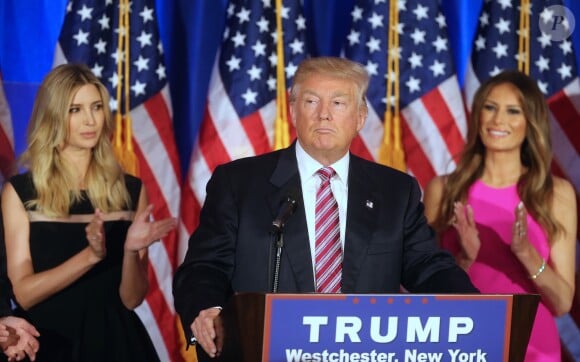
(252, 321)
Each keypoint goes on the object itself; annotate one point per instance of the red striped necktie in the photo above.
(328, 248)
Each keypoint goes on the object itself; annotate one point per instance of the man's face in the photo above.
(327, 116)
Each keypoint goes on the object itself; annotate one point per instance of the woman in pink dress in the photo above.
(510, 223)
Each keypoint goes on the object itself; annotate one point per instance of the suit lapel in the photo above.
(296, 250)
(361, 222)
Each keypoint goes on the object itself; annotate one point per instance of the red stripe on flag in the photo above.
(6, 155)
(163, 316)
(566, 115)
(291, 129)
(157, 302)
(210, 144)
(161, 208)
(417, 162)
(436, 105)
(256, 133)
(359, 148)
(159, 114)
(190, 208)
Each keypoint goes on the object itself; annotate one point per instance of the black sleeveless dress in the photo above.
(86, 321)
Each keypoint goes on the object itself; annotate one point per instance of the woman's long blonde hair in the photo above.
(536, 186)
(48, 131)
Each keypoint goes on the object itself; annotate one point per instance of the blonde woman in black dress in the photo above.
(78, 228)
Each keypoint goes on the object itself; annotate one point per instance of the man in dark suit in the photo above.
(385, 242)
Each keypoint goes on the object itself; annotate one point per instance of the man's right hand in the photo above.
(207, 330)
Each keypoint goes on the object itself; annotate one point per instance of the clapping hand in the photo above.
(464, 222)
(520, 230)
(96, 235)
(4, 333)
(21, 340)
(144, 232)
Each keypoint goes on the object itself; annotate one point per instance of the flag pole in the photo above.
(281, 129)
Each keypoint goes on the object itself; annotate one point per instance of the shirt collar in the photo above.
(307, 166)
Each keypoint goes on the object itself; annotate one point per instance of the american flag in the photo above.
(90, 35)
(552, 63)
(7, 161)
(432, 110)
(241, 102)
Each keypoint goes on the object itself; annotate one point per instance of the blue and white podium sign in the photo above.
(386, 328)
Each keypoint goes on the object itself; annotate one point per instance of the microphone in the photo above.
(287, 209)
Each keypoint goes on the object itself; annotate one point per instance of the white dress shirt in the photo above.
(310, 182)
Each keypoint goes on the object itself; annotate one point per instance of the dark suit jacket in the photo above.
(387, 245)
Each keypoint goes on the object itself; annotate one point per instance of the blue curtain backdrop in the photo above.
(191, 31)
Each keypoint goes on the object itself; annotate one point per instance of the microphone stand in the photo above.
(285, 212)
(279, 244)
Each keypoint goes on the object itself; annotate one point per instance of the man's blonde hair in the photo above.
(335, 67)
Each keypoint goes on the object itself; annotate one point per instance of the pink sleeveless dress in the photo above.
(497, 270)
